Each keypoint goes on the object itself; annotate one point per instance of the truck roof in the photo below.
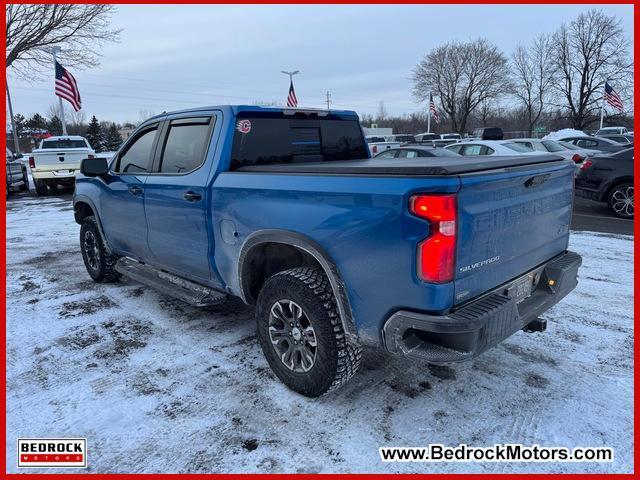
(235, 109)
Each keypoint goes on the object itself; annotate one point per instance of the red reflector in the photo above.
(32, 162)
(577, 158)
(586, 164)
(436, 254)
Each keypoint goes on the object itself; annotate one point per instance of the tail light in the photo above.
(586, 164)
(32, 162)
(374, 149)
(577, 158)
(436, 254)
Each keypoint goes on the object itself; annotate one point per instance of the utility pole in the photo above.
(53, 51)
(16, 143)
(429, 113)
(328, 100)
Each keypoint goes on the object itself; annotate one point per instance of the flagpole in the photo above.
(429, 113)
(55, 50)
(604, 87)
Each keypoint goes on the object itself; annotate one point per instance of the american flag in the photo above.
(433, 110)
(292, 100)
(67, 88)
(612, 97)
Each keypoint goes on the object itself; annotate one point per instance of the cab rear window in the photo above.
(277, 138)
(64, 143)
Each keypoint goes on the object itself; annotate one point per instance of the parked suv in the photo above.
(431, 257)
(488, 133)
(609, 178)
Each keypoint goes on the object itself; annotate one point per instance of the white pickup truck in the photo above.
(377, 144)
(57, 161)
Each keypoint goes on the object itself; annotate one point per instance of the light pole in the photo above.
(291, 74)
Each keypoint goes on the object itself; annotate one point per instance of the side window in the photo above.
(137, 156)
(586, 143)
(387, 154)
(487, 151)
(470, 150)
(455, 148)
(186, 145)
(407, 154)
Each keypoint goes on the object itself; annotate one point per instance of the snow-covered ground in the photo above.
(158, 386)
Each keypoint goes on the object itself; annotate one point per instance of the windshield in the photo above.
(63, 143)
(375, 140)
(552, 146)
(450, 136)
(517, 147)
(404, 138)
(266, 138)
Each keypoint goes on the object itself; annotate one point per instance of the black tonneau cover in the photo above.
(405, 166)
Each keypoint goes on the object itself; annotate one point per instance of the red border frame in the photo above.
(101, 476)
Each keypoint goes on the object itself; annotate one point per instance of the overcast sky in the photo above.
(174, 57)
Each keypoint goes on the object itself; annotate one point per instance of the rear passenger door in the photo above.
(176, 197)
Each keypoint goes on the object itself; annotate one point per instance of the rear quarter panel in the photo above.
(361, 222)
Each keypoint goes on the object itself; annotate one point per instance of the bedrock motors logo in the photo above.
(52, 452)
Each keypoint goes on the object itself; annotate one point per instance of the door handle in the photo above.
(192, 196)
(135, 190)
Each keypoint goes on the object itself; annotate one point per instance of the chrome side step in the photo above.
(169, 284)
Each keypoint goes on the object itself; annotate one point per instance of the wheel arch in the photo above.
(613, 184)
(281, 247)
(84, 207)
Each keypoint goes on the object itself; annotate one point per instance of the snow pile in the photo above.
(158, 386)
(564, 133)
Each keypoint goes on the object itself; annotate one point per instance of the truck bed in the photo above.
(405, 166)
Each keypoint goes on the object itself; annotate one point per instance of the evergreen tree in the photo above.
(19, 120)
(54, 125)
(37, 122)
(112, 140)
(95, 135)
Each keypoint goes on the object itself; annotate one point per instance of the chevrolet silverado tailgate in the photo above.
(510, 221)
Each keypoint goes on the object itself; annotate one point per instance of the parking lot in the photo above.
(158, 386)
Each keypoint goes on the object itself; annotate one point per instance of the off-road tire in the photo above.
(337, 359)
(25, 178)
(103, 271)
(41, 188)
(613, 200)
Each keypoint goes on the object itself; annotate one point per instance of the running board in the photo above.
(172, 285)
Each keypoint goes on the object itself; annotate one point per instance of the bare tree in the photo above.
(463, 76)
(587, 52)
(532, 78)
(79, 29)
(382, 111)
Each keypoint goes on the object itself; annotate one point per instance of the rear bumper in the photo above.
(482, 323)
(62, 174)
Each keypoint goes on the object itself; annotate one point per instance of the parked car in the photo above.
(595, 143)
(611, 131)
(608, 177)
(17, 177)
(490, 147)
(425, 257)
(550, 146)
(402, 138)
(488, 133)
(415, 151)
(438, 140)
(583, 152)
(57, 161)
(621, 139)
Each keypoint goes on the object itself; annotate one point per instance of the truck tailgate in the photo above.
(510, 221)
(59, 160)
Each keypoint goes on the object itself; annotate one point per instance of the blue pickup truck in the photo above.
(438, 258)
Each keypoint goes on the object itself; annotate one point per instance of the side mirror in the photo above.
(17, 155)
(94, 167)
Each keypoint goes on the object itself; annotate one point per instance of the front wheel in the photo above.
(301, 334)
(621, 200)
(99, 263)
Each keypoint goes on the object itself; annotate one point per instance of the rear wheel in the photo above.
(99, 263)
(301, 333)
(621, 200)
(25, 179)
(41, 187)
